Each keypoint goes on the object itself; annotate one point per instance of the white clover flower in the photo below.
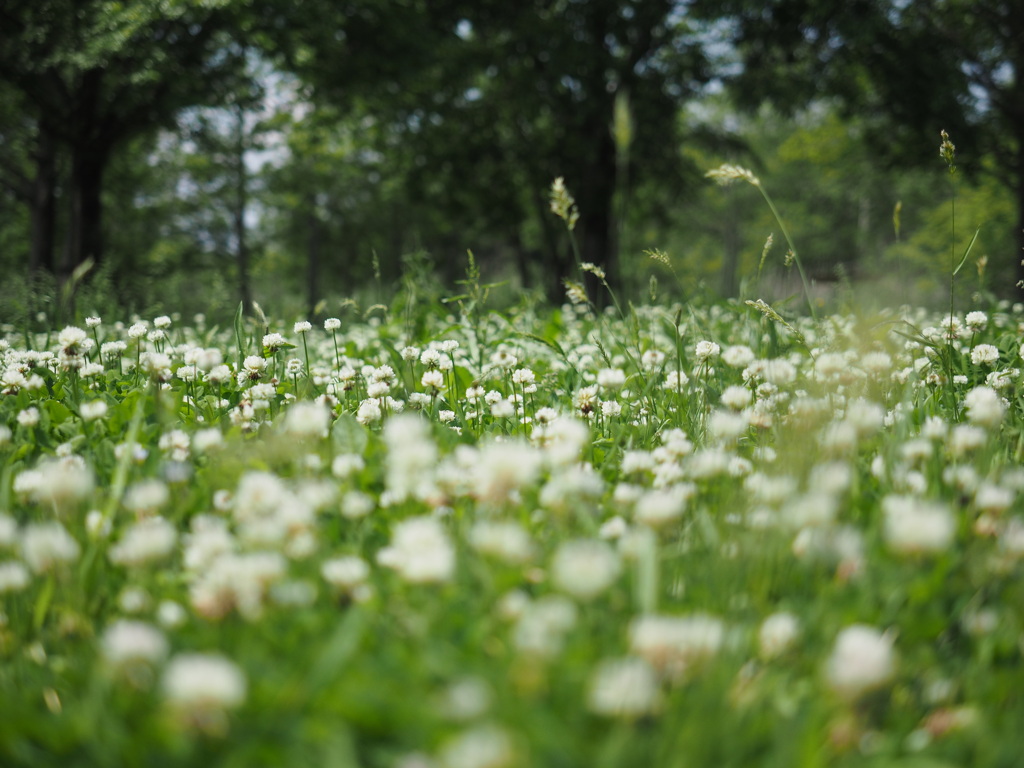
(540, 625)
(176, 443)
(916, 526)
(507, 541)
(302, 326)
(501, 469)
(562, 440)
(862, 660)
(611, 408)
(62, 484)
(254, 364)
(237, 581)
(431, 358)
(207, 439)
(503, 409)
(525, 378)
(432, 379)
(28, 417)
(976, 321)
(613, 528)
(738, 356)
(368, 412)
(662, 506)
(626, 688)
(984, 406)
(584, 568)
(611, 378)
(134, 600)
(544, 415)
(199, 682)
(865, 417)
(777, 634)
(218, 374)
(70, 339)
(356, 504)
(651, 359)
(11, 381)
(482, 746)
(307, 420)
(727, 425)
(8, 531)
(332, 324)
(984, 354)
(675, 645)
(706, 350)
(586, 400)
(876, 363)
(383, 373)
(346, 464)
(157, 365)
(170, 614)
(345, 572)
(146, 496)
(737, 398)
(92, 410)
(993, 498)
(144, 542)
(45, 546)
(412, 456)
(14, 577)
(128, 642)
(420, 551)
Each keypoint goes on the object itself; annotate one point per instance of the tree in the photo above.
(496, 99)
(908, 70)
(94, 74)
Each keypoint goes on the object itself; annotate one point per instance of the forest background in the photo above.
(185, 155)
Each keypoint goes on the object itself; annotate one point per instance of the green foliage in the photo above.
(369, 587)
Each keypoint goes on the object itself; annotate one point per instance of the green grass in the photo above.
(503, 540)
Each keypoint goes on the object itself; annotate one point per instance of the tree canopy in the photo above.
(416, 126)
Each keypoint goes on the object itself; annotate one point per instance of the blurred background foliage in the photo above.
(189, 154)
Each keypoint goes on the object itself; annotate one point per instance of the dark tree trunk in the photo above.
(554, 267)
(1019, 255)
(597, 229)
(1019, 239)
(238, 214)
(43, 216)
(85, 216)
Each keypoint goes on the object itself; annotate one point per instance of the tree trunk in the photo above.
(553, 265)
(43, 216)
(85, 217)
(597, 227)
(1019, 255)
(238, 214)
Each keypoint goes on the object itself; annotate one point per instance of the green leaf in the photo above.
(348, 435)
(546, 342)
(967, 252)
(342, 644)
(43, 603)
(240, 332)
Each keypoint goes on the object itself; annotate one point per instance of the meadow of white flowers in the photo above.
(685, 536)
